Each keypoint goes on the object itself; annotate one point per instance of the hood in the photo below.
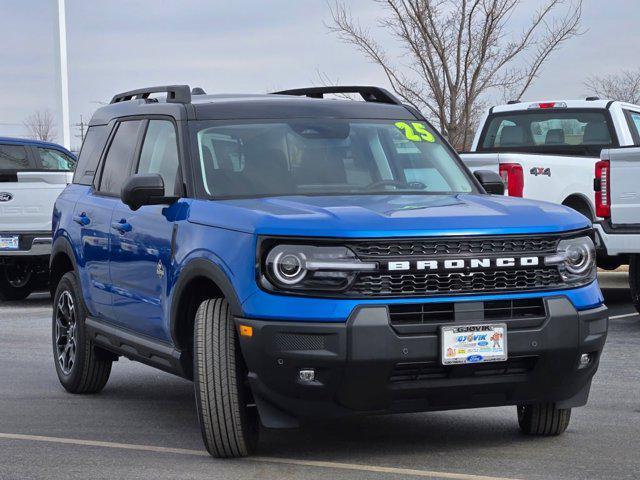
(371, 216)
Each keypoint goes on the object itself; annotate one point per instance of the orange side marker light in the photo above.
(246, 331)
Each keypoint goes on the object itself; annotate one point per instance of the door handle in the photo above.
(82, 219)
(122, 226)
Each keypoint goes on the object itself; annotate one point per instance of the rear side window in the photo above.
(117, 163)
(634, 125)
(160, 154)
(14, 157)
(90, 154)
(570, 132)
(51, 159)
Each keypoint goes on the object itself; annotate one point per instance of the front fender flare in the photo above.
(201, 267)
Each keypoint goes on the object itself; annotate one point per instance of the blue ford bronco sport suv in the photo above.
(304, 257)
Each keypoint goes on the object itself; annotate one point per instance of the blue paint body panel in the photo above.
(129, 278)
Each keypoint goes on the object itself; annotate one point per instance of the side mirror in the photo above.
(144, 189)
(490, 181)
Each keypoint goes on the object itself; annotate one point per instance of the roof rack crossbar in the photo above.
(369, 94)
(175, 94)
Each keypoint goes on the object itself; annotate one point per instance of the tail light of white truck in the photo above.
(603, 189)
(513, 178)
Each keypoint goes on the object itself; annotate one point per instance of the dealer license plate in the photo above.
(9, 242)
(474, 343)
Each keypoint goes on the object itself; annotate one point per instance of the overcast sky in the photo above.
(239, 46)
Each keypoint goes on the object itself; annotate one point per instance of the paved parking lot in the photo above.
(144, 424)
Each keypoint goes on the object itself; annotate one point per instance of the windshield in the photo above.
(325, 157)
(565, 132)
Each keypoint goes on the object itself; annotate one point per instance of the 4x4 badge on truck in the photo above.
(5, 197)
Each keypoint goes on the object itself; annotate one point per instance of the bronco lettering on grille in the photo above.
(467, 263)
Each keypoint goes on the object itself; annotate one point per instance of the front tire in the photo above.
(229, 425)
(81, 367)
(543, 419)
(634, 279)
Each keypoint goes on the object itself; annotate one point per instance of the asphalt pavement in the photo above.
(144, 426)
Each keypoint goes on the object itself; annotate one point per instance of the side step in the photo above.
(137, 347)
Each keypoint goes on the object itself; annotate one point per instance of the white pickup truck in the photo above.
(617, 200)
(32, 175)
(547, 150)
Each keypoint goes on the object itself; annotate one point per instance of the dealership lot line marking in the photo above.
(282, 461)
(626, 315)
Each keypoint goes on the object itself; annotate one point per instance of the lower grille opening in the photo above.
(420, 313)
(521, 308)
(420, 371)
(425, 317)
(300, 342)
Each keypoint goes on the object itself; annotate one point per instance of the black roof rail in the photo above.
(369, 94)
(592, 99)
(175, 94)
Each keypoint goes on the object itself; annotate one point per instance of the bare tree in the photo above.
(41, 126)
(458, 51)
(624, 86)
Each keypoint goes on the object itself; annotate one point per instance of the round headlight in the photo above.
(288, 268)
(579, 258)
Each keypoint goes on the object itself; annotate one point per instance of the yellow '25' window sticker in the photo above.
(416, 132)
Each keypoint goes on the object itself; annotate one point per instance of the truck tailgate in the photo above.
(26, 205)
(625, 185)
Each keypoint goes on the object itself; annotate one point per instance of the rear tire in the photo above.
(16, 283)
(229, 425)
(634, 279)
(81, 367)
(543, 419)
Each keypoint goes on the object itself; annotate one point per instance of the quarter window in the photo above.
(90, 153)
(634, 125)
(118, 160)
(51, 159)
(160, 154)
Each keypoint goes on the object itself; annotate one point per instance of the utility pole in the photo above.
(82, 127)
(64, 74)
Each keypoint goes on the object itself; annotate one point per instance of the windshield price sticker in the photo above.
(416, 132)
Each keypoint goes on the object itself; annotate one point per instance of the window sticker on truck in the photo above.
(423, 133)
(536, 171)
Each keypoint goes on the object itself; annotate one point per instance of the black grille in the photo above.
(522, 308)
(421, 313)
(438, 313)
(300, 342)
(421, 247)
(420, 371)
(403, 284)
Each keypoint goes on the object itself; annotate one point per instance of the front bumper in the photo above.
(363, 366)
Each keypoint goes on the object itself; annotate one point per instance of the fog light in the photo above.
(307, 375)
(585, 360)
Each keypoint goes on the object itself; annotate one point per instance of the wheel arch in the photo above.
(199, 279)
(580, 203)
(62, 261)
